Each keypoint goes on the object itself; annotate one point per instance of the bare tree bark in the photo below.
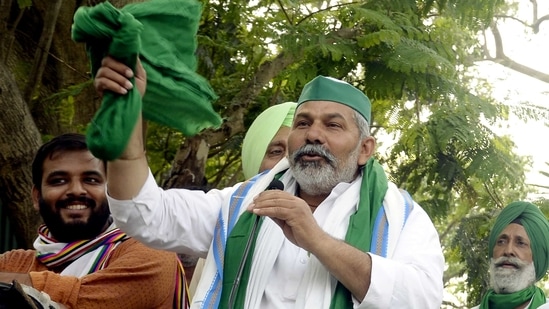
(72, 67)
(5, 8)
(189, 164)
(16, 155)
(67, 66)
(41, 55)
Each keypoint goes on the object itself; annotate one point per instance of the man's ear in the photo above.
(367, 149)
(35, 197)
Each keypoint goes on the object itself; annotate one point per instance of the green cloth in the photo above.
(261, 133)
(359, 235)
(234, 253)
(323, 88)
(536, 226)
(510, 301)
(162, 33)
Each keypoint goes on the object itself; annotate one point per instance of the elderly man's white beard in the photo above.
(317, 178)
(505, 280)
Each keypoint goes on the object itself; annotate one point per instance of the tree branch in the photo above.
(44, 44)
(535, 25)
(328, 8)
(525, 24)
(505, 61)
(500, 54)
(241, 102)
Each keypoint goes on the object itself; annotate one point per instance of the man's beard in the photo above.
(511, 280)
(318, 177)
(78, 229)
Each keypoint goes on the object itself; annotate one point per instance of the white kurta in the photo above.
(183, 221)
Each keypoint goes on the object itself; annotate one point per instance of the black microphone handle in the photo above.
(276, 185)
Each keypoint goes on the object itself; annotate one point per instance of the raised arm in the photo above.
(128, 173)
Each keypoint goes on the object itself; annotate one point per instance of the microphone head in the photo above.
(276, 185)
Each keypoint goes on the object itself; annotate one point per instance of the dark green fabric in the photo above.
(511, 301)
(323, 88)
(234, 253)
(359, 234)
(163, 34)
(536, 226)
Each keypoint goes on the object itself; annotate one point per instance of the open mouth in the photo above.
(507, 265)
(311, 157)
(76, 207)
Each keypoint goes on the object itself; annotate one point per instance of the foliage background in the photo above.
(433, 116)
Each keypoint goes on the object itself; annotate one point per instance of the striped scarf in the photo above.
(106, 243)
(54, 254)
(222, 230)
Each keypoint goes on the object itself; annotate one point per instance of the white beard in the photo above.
(318, 178)
(511, 280)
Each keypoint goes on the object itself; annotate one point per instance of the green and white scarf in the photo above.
(352, 226)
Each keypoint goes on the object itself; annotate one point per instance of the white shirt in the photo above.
(183, 221)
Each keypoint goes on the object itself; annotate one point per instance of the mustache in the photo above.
(75, 200)
(516, 262)
(314, 150)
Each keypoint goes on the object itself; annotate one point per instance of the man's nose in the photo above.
(509, 249)
(315, 134)
(76, 188)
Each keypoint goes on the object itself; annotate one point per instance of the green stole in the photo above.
(359, 234)
(162, 33)
(511, 301)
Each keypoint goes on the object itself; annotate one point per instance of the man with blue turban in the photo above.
(519, 252)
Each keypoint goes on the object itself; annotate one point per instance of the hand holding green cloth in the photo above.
(163, 34)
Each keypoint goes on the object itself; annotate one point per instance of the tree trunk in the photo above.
(5, 8)
(41, 54)
(189, 165)
(16, 155)
(67, 65)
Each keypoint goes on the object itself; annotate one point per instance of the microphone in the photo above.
(274, 185)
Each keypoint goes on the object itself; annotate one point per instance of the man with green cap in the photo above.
(338, 235)
(519, 257)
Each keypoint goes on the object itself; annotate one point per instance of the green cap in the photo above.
(323, 88)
